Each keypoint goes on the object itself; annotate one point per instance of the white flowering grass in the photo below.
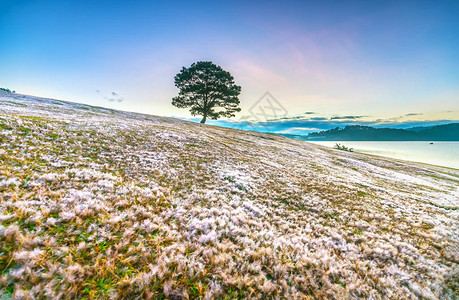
(104, 204)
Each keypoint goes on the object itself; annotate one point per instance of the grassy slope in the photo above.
(100, 203)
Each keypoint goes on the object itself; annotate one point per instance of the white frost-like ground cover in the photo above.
(105, 204)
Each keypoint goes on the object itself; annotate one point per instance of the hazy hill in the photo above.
(102, 203)
(448, 132)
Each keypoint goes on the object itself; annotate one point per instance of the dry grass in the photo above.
(104, 204)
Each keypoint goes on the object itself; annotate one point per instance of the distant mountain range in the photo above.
(448, 132)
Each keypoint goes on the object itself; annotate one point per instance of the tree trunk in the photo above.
(204, 115)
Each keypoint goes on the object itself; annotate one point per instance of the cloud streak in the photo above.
(348, 117)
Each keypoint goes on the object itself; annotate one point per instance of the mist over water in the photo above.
(439, 153)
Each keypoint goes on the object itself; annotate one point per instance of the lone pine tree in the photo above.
(207, 90)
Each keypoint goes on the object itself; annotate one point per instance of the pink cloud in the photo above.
(250, 71)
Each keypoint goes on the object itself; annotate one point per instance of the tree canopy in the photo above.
(207, 90)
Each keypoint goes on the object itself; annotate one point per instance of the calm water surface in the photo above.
(439, 153)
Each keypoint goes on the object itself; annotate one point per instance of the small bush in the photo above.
(342, 147)
(7, 90)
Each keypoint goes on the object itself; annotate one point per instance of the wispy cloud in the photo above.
(347, 117)
(112, 96)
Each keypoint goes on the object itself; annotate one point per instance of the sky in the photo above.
(376, 62)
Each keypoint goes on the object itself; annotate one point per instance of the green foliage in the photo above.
(207, 90)
(7, 90)
(342, 147)
(445, 132)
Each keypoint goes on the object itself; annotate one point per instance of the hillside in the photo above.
(102, 203)
(447, 132)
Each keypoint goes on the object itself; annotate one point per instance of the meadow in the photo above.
(98, 203)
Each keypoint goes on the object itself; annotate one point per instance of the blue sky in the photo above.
(379, 59)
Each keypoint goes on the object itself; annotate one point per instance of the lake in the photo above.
(439, 153)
